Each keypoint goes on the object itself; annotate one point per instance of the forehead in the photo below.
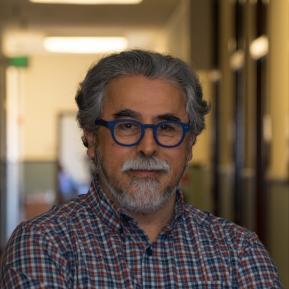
(147, 97)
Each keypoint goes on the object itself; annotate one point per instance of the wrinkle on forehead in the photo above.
(138, 97)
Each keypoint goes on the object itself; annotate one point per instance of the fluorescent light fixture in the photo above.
(259, 47)
(84, 45)
(87, 2)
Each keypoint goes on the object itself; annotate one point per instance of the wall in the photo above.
(49, 86)
(278, 174)
(276, 106)
(177, 32)
(2, 150)
(279, 88)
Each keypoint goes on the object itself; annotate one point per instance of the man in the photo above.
(140, 113)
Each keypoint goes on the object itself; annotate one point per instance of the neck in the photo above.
(153, 223)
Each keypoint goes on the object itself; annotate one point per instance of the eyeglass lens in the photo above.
(167, 133)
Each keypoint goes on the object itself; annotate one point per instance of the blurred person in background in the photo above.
(141, 113)
(68, 188)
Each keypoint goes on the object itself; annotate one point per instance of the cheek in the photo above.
(105, 144)
(112, 156)
(188, 149)
(179, 160)
(189, 153)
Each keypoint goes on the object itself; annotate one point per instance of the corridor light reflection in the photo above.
(87, 2)
(84, 44)
(259, 47)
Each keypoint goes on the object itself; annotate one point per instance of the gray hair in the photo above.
(91, 92)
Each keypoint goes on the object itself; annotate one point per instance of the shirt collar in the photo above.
(103, 207)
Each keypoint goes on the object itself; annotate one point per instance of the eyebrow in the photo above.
(168, 116)
(133, 114)
(126, 113)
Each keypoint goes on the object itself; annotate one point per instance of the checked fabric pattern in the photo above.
(88, 244)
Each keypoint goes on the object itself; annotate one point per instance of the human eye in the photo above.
(168, 127)
(127, 127)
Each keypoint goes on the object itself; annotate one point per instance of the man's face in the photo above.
(149, 101)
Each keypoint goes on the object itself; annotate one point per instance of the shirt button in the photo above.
(149, 251)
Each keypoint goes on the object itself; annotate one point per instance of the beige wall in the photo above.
(226, 90)
(278, 109)
(202, 149)
(279, 88)
(177, 32)
(49, 85)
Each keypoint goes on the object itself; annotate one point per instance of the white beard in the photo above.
(143, 195)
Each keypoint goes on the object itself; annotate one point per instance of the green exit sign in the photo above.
(18, 61)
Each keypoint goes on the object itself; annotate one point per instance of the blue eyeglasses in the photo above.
(129, 132)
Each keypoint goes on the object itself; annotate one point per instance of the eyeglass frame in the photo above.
(110, 124)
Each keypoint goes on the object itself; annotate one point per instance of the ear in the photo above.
(89, 140)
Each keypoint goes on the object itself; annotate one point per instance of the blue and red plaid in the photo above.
(88, 244)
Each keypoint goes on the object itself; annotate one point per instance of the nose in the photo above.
(148, 145)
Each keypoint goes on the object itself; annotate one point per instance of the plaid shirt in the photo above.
(89, 244)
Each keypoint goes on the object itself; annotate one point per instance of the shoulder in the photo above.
(221, 235)
(41, 249)
(54, 226)
(240, 249)
(217, 228)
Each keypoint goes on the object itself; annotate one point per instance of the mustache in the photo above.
(149, 164)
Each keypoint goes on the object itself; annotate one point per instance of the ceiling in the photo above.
(22, 14)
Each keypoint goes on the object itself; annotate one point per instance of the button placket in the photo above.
(149, 251)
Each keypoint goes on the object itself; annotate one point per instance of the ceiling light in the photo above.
(87, 2)
(84, 44)
(259, 47)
